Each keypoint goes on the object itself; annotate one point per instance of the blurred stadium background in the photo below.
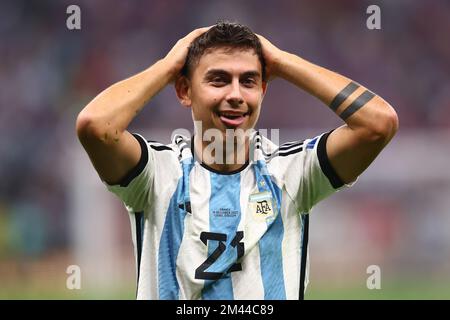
(55, 212)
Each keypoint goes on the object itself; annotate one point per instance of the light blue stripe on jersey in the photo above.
(171, 237)
(270, 245)
(224, 217)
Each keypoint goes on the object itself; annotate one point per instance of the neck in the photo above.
(224, 156)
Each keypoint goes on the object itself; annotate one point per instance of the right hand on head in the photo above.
(177, 55)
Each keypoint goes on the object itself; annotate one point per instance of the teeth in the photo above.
(231, 114)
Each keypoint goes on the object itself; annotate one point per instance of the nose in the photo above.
(234, 96)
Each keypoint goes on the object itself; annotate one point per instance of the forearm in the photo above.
(357, 106)
(109, 114)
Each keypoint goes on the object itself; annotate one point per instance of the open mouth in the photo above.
(232, 118)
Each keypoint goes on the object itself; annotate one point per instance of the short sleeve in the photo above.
(135, 187)
(309, 176)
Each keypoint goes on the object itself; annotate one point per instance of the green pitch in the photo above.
(402, 290)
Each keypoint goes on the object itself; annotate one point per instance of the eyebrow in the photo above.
(215, 72)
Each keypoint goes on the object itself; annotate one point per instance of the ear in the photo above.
(183, 90)
(264, 88)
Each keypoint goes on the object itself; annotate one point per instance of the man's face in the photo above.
(226, 89)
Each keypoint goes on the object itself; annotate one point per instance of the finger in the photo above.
(260, 36)
(200, 31)
(196, 33)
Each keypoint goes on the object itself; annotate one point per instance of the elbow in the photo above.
(390, 123)
(87, 127)
(384, 126)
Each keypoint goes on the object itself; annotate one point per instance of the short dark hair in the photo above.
(224, 34)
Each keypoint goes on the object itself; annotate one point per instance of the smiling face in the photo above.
(225, 90)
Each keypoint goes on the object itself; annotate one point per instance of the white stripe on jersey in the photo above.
(247, 284)
(291, 248)
(193, 252)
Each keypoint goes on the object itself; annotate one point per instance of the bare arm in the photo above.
(102, 125)
(370, 121)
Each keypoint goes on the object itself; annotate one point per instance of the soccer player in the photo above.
(205, 228)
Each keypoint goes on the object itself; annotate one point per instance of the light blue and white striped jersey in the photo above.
(203, 234)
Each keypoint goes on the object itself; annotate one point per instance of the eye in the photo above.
(218, 81)
(249, 82)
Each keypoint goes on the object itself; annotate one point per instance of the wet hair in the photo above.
(227, 35)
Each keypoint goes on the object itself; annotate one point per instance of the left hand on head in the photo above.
(272, 57)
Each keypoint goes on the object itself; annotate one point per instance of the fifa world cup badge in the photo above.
(262, 206)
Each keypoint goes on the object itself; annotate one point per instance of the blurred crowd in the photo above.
(49, 73)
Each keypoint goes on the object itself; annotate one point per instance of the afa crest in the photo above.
(261, 206)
